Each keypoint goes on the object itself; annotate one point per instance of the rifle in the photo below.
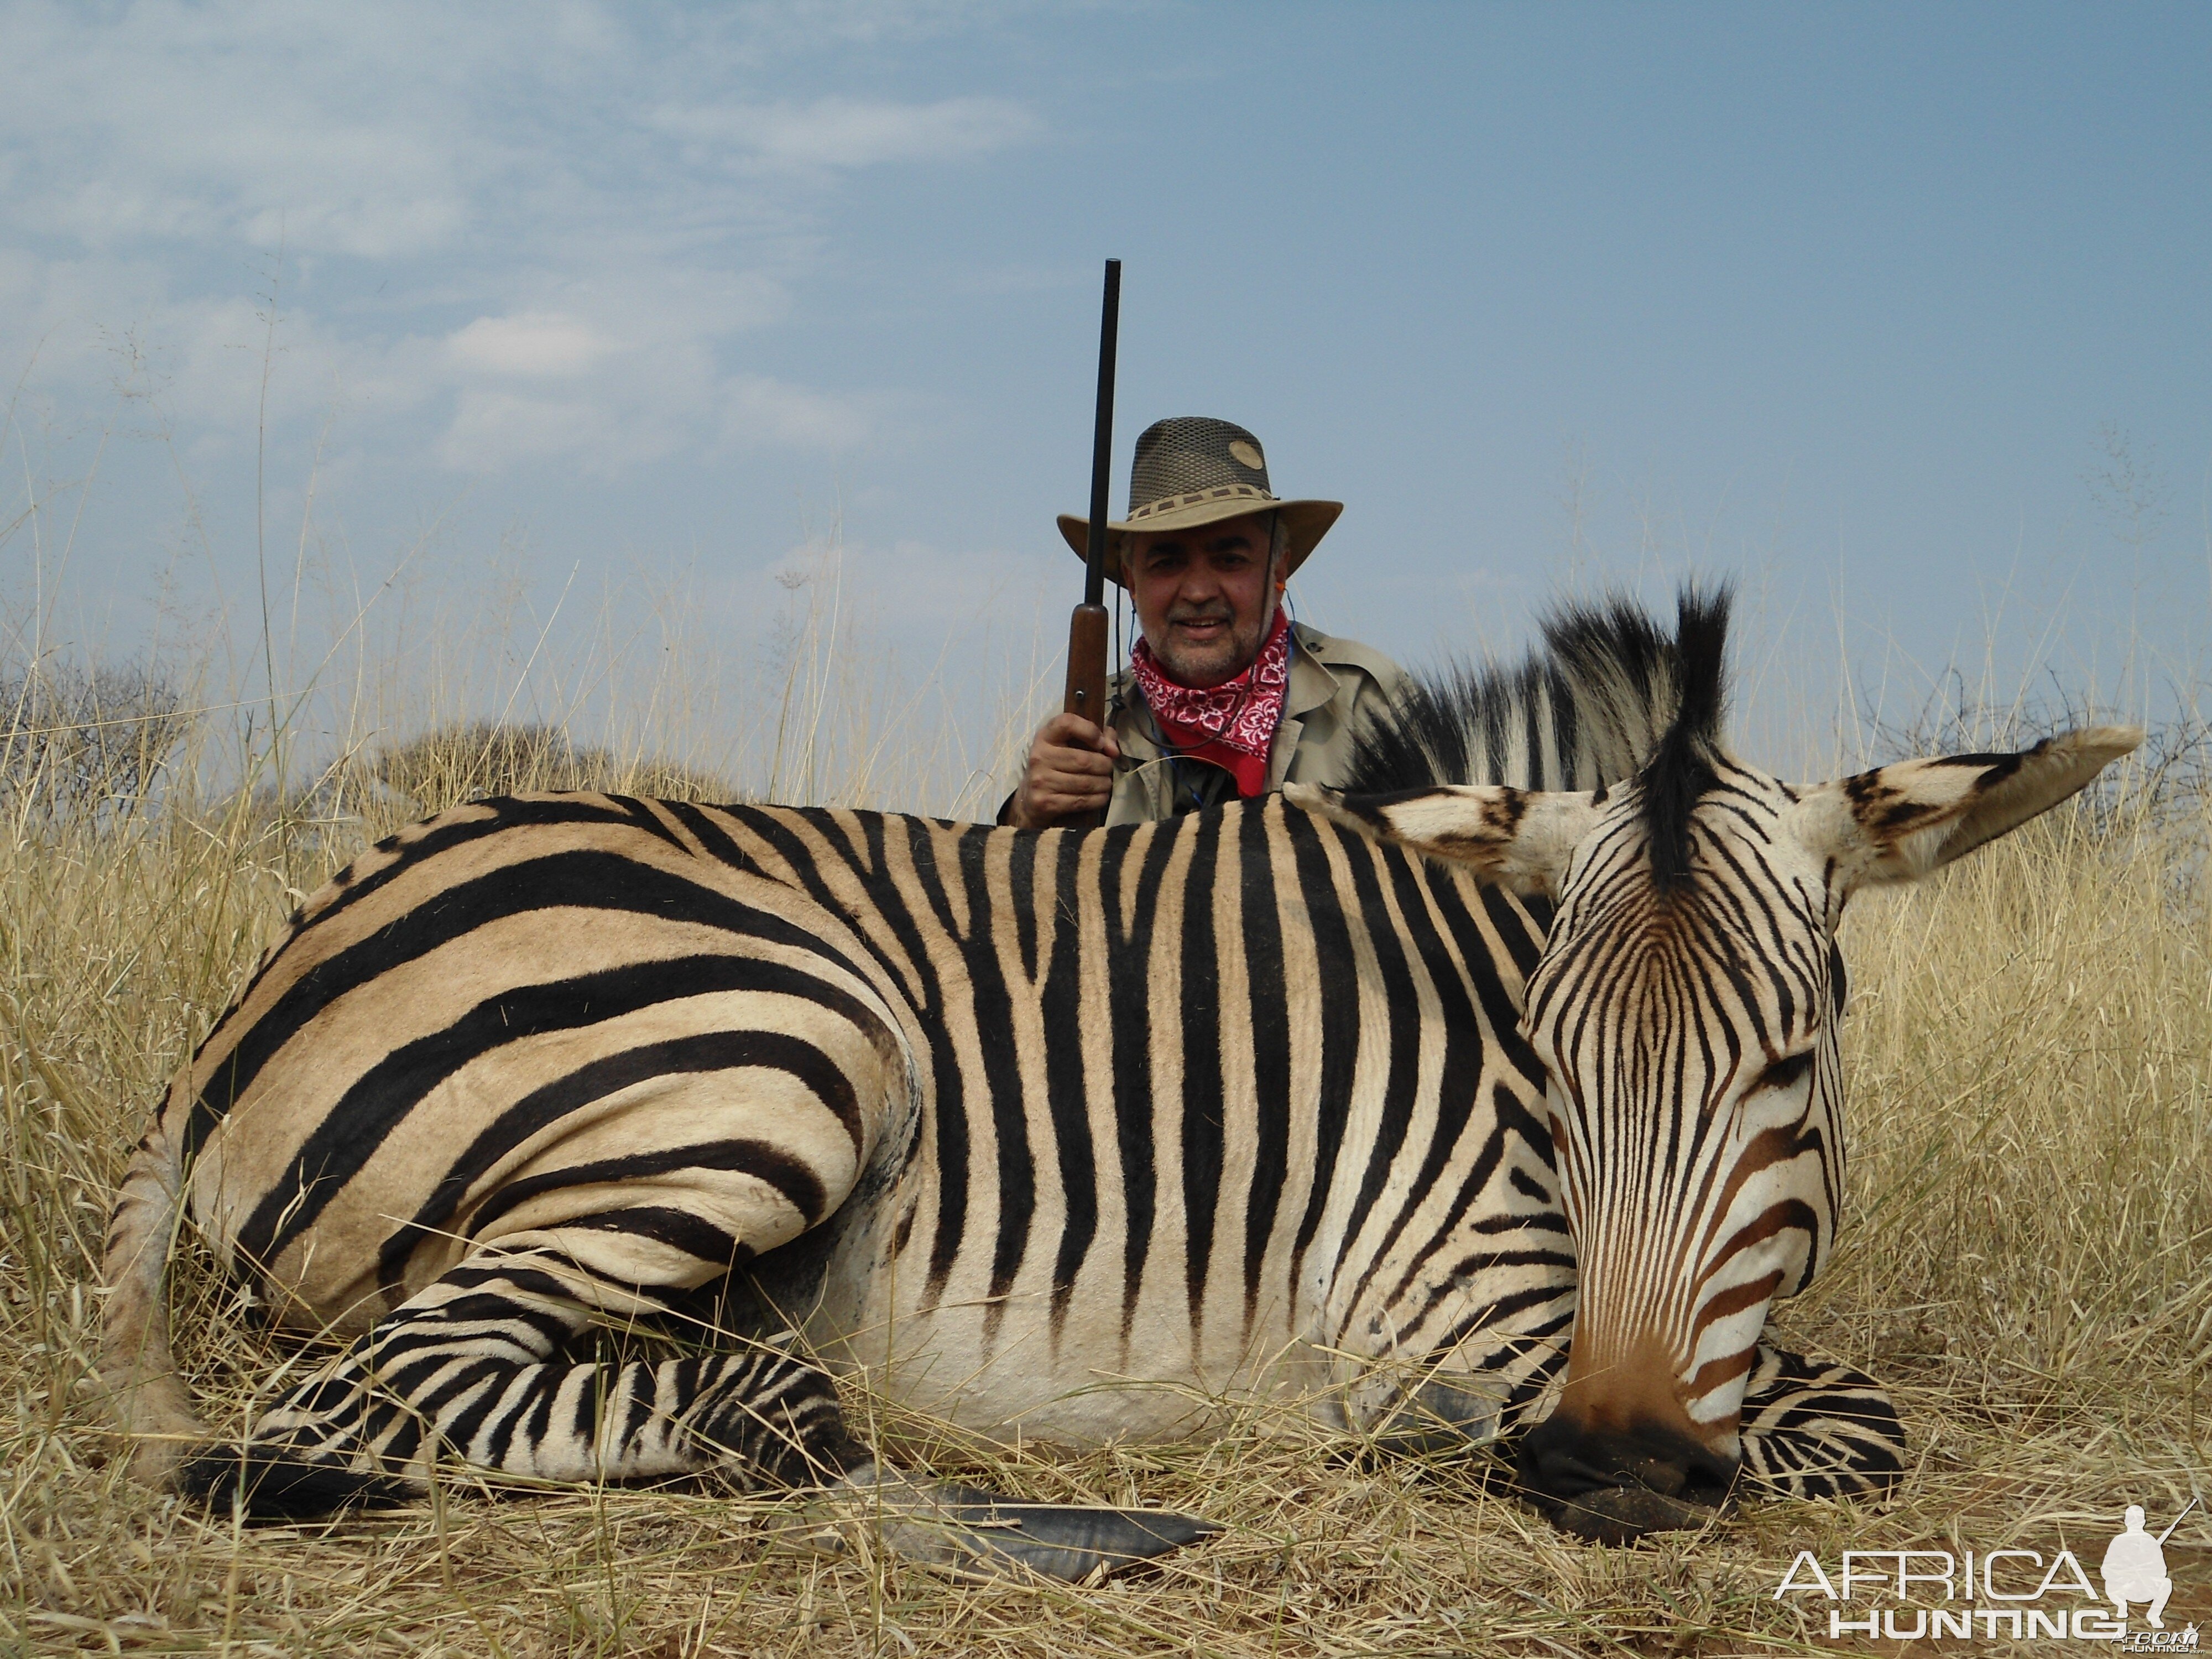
(1086, 629)
(2168, 1533)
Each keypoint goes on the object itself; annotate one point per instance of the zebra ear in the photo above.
(1519, 838)
(1898, 823)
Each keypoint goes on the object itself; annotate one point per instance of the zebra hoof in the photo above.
(972, 1532)
(267, 1486)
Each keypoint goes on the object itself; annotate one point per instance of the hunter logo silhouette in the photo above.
(2134, 1567)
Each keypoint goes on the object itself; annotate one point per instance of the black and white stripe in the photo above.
(1078, 1135)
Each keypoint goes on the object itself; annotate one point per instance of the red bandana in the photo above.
(1231, 725)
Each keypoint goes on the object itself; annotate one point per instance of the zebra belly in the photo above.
(1002, 1368)
(1011, 1383)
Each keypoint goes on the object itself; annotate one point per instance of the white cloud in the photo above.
(762, 410)
(943, 590)
(625, 367)
(642, 405)
(604, 391)
(538, 344)
(229, 123)
(845, 132)
(514, 232)
(494, 429)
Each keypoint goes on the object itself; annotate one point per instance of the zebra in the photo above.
(1493, 1098)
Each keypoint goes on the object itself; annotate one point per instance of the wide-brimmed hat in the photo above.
(1192, 469)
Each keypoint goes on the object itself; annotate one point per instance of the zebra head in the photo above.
(1684, 1010)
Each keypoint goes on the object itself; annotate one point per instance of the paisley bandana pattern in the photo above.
(1231, 725)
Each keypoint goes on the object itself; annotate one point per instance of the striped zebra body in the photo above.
(1038, 1142)
(1076, 1136)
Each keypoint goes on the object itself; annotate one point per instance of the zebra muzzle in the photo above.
(1614, 1488)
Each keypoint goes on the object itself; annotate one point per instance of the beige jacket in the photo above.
(1335, 685)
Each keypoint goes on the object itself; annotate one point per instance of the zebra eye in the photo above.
(1787, 1072)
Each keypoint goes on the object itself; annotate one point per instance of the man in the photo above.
(1224, 696)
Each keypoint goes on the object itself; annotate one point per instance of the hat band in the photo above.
(1234, 492)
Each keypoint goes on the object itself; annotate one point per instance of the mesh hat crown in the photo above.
(1192, 469)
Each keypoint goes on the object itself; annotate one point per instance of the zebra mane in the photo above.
(1681, 769)
(1608, 698)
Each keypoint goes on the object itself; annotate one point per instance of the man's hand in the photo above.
(1070, 774)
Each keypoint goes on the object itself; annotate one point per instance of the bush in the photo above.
(78, 741)
(480, 758)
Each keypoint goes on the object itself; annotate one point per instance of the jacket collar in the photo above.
(1311, 684)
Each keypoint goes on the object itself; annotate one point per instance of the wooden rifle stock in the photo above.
(1086, 664)
(1086, 629)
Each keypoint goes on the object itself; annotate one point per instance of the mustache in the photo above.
(1201, 613)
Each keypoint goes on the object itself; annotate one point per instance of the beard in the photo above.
(1201, 662)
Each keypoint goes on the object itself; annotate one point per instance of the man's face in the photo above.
(1205, 599)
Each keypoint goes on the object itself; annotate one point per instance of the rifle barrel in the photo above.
(1086, 629)
(1102, 440)
(2186, 1508)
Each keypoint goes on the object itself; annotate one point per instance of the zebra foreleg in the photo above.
(469, 1370)
(1817, 1428)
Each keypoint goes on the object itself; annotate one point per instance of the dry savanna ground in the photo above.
(2026, 1262)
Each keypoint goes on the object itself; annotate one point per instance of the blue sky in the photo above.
(1902, 315)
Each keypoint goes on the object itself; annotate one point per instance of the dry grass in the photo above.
(2026, 1262)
